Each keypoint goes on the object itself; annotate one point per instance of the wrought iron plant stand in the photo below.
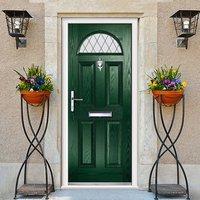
(35, 145)
(168, 190)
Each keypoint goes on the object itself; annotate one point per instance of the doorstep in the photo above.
(96, 194)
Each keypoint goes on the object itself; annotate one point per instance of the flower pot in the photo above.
(35, 97)
(168, 98)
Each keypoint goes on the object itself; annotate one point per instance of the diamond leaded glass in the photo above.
(100, 43)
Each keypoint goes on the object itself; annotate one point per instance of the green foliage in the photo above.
(35, 71)
(23, 86)
(35, 79)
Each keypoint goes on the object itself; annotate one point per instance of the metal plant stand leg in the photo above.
(35, 145)
(172, 190)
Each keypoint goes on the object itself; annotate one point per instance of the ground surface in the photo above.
(95, 194)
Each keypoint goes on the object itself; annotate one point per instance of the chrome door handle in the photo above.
(72, 100)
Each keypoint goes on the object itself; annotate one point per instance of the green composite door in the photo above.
(99, 102)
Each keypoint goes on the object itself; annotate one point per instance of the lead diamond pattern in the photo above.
(100, 43)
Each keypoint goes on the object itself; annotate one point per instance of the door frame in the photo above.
(64, 43)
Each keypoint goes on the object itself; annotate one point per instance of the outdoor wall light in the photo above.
(185, 22)
(17, 23)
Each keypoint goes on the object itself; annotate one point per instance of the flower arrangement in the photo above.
(35, 79)
(166, 78)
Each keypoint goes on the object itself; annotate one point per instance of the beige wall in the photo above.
(13, 143)
(169, 54)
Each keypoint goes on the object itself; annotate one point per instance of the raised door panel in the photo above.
(86, 82)
(113, 144)
(114, 83)
(86, 146)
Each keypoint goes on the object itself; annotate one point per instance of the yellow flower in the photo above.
(174, 71)
(48, 78)
(154, 84)
(184, 84)
(150, 83)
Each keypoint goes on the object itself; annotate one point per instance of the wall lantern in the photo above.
(17, 23)
(185, 22)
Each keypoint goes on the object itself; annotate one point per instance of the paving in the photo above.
(96, 194)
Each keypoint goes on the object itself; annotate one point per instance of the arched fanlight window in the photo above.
(100, 43)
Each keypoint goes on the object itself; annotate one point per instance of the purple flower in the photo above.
(172, 84)
(166, 82)
(31, 80)
(177, 81)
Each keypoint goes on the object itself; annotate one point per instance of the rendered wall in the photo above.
(189, 62)
(13, 142)
(188, 145)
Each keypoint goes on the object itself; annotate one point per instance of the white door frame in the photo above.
(65, 23)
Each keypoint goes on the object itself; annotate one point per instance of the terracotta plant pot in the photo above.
(35, 97)
(168, 98)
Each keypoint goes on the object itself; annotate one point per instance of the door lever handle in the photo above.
(73, 99)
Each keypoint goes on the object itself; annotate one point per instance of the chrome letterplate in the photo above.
(100, 114)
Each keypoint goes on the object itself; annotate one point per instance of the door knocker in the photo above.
(99, 64)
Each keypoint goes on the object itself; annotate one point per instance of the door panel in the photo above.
(113, 144)
(100, 147)
(86, 144)
(86, 82)
(114, 83)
